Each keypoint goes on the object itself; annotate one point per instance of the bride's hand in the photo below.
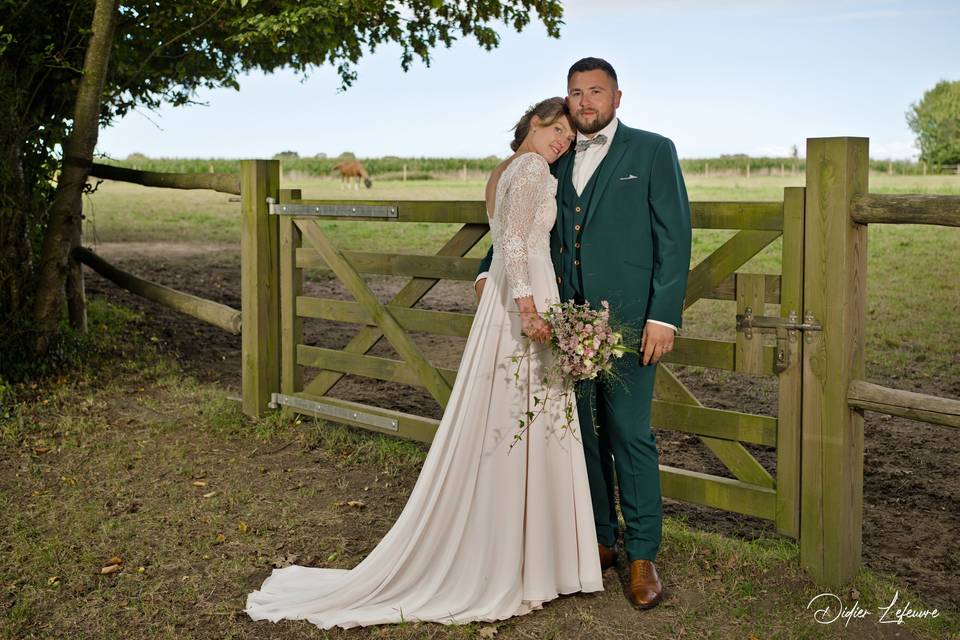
(535, 327)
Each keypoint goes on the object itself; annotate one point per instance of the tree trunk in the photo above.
(64, 227)
(16, 264)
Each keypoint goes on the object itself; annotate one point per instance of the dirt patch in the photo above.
(911, 497)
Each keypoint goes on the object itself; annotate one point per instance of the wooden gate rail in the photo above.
(718, 492)
(465, 270)
(758, 216)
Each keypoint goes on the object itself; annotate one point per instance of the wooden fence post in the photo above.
(835, 258)
(259, 285)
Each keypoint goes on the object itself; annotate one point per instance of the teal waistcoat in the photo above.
(571, 212)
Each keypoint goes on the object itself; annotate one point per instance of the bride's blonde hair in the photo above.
(548, 111)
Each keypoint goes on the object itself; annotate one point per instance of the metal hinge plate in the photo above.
(333, 412)
(337, 210)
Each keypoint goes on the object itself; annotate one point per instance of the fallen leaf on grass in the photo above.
(220, 539)
(199, 483)
(350, 503)
(242, 527)
(210, 495)
(111, 568)
(284, 561)
(487, 632)
(115, 560)
(53, 581)
(41, 450)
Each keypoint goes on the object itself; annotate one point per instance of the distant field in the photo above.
(120, 212)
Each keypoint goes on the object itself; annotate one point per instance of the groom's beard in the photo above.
(589, 128)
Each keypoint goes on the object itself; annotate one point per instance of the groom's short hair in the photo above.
(592, 64)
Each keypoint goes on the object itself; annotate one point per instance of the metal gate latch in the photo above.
(785, 328)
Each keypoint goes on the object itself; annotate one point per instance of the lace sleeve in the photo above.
(518, 208)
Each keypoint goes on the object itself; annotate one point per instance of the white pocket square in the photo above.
(629, 177)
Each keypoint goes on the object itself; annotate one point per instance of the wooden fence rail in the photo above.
(906, 209)
(222, 182)
(219, 315)
(906, 404)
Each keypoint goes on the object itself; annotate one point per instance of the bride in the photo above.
(489, 531)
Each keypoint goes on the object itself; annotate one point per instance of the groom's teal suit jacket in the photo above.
(626, 237)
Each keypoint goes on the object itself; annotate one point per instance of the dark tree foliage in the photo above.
(163, 52)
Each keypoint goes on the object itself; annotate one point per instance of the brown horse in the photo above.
(351, 169)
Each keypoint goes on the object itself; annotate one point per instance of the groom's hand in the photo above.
(656, 341)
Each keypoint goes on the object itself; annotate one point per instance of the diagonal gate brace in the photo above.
(355, 284)
(365, 339)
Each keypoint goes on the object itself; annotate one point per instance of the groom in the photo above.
(623, 235)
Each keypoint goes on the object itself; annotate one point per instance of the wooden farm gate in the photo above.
(282, 234)
(817, 354)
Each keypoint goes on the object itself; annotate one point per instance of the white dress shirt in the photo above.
(585, 163)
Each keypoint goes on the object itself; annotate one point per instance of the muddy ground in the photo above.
(911, 496)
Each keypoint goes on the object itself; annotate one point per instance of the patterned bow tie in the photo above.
(599, 139)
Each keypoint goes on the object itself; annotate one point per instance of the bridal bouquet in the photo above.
(584, 344)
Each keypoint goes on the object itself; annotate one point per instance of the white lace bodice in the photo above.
(524, 212)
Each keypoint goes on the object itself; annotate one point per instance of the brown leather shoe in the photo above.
(645, 585)
(608, 557)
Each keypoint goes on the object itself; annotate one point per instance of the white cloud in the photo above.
(893, 149)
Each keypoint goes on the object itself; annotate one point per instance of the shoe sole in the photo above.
(646, 607)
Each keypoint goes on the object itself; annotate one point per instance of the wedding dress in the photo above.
(488, 532)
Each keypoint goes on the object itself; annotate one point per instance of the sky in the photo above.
(743, 76)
